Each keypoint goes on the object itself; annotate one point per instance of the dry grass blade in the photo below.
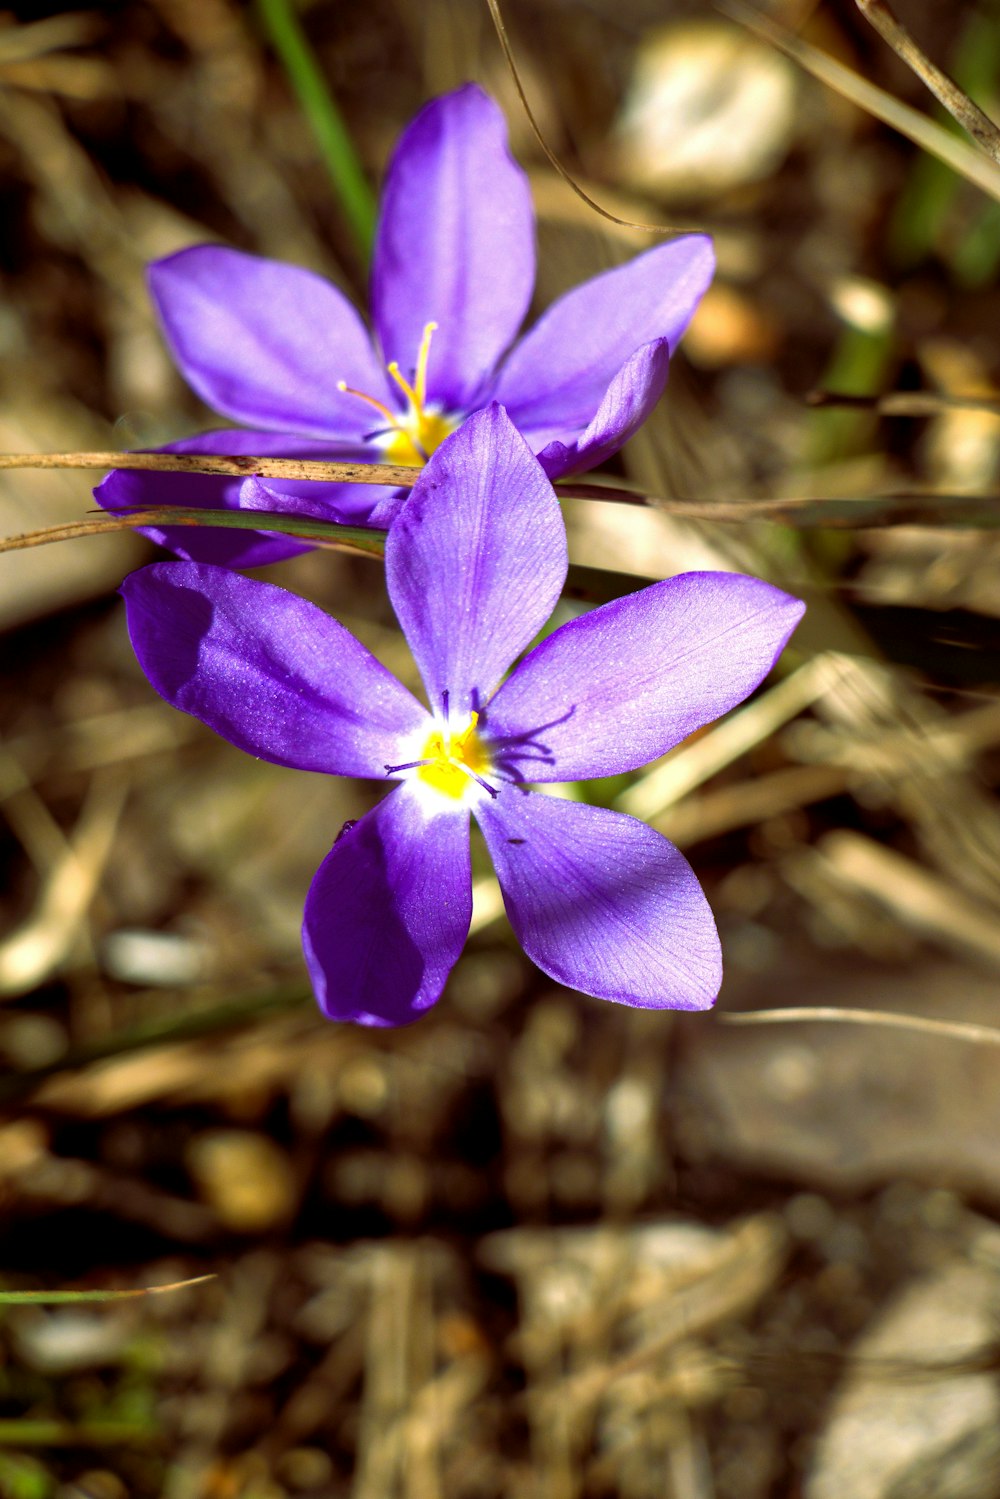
(749, 802)
(955, 1030)
(913, 894)
(747, 1265)
(859, 512)
(693, 764)
(328, 534)
(947, 92)
(55, 33)
(905, 402)
(70, 532)
(924, 132)
(36, 949)
(550, 155)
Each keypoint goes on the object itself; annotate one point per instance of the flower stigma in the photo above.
(420, 430)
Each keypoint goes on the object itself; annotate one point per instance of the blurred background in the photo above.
(535, 1245)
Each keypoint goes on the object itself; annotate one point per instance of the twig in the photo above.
(947, 92)
(241, 466)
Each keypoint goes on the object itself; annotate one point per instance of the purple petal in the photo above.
(130, 489)
(476, 560)
(266, 343)
(455, 246)
(385, 511)
(343, 504)
(615, 688)
(268, 671)
(555, 379)
(627, 403)
(602, 903)
(388, 913)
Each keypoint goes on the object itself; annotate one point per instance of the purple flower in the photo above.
(474, 566)
(281, 350)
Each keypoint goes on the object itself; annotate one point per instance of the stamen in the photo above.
(464, 738)
(404, 386)
(416, 394)
(390, 416)
(410, 765)
(415, 433)
(422, 357)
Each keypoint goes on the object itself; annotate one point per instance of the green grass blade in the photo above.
(59, 1298)
(349, 181)
(41, 1433)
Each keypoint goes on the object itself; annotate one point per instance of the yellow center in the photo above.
(453, 760)
(416, 433)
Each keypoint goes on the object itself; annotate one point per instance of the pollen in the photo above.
(450, 761)
(418, 431)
